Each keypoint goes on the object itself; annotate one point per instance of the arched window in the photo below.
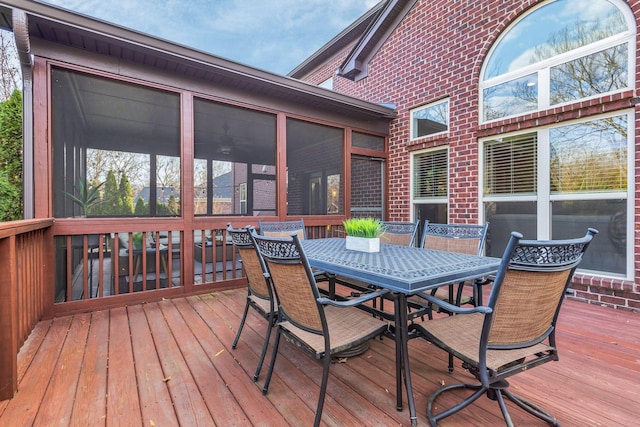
(555, 180)
(560, 52)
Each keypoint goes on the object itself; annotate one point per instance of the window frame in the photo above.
(412, 126)
(544, 197)
(439, 200)
(542, 69)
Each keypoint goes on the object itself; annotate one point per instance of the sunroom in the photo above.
(144, 151)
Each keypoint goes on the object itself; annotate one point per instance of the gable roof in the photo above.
(369, 32)
(60, 26)
(349, 35)
(356, 65)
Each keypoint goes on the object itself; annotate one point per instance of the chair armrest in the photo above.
(355, 301)
(451, 307)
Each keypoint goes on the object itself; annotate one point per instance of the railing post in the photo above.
(8, 319)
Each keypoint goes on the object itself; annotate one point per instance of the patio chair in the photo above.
(516, 330)
(284, 229)
(260, 292)
(461, 238)
(321, 326)
(399, 233)
(395, 233)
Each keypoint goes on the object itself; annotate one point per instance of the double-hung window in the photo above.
(430, 184)
(555, 182)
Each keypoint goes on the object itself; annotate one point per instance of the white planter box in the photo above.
(363, 244)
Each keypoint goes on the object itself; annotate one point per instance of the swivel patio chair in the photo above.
(321, 326)
(260, 292)
(516, 330)
(461, 238)
(284, 229)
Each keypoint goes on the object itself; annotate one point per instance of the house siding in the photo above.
(437, 52)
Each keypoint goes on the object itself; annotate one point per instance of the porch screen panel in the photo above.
(234, 165)
(315, 167)
(116, 148)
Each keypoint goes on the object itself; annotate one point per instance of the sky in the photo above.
(273, 35)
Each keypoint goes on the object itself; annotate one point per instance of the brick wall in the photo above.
(437, 52)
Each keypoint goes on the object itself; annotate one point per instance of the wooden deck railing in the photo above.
(26, 290)
(48, 269)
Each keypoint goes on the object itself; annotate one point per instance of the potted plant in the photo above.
(363, 234)
(85, 196)
(137, 240)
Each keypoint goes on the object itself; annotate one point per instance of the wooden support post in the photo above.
(8, 319)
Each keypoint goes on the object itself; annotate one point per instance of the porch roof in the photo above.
(60, 26)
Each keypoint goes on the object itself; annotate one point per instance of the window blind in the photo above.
(510, 165)
(430, 174)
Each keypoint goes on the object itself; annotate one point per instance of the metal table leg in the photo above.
(402, 356)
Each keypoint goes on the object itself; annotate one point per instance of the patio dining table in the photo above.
(405, 271)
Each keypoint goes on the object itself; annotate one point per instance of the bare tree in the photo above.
(10, 76)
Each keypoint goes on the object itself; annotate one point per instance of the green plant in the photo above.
(363, 227)
(85, 196)
(137, 240)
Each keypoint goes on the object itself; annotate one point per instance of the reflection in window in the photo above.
(601, 72)
(589, 156)
(573, 49)
(571, 218)
(553, 29)
(115, 148)
(580, 182)
(234, 164)
(511, 98)
(505, 217)
(315, 156)
(430, 119)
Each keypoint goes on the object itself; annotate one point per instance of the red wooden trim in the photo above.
(8, 319)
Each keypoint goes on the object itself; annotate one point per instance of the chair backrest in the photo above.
(293, 281)
(399, 233)
(529, 289)
(282, 228)
(252, 262)
(461, 238)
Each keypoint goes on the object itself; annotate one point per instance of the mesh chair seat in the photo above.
(263, 303)
(515, 331)
(460, 335)
(346, 329)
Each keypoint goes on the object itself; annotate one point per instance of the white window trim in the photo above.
(542, 68)
(544, 196)
(433, 200)
(422, 107)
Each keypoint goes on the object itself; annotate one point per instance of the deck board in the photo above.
(171, 363)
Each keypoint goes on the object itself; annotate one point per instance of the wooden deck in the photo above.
(170, 363)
